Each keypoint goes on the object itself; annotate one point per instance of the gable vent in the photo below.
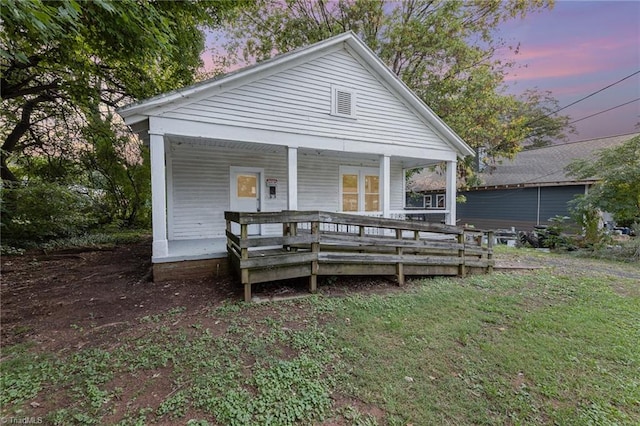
(344, 101)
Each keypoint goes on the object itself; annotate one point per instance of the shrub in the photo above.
(42, 211)
(623, 251)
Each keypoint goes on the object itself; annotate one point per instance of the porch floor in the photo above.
(205, 248)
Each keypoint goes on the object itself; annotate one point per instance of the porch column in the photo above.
(450, 204)
(385, 185)
(158, 196)
(292, 182)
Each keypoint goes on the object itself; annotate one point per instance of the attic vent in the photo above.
(343, 102)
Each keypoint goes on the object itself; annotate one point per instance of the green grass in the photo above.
(523, 349)
(543, 347)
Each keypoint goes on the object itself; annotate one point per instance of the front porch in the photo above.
(195, 180)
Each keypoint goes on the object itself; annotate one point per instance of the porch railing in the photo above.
(322, 243)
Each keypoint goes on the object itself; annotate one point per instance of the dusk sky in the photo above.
(573, 50)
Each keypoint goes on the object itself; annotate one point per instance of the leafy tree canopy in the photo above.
(443, 50)
(618, 188)
(62, 60)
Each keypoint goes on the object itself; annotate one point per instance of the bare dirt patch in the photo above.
(79, 298)
(87, 298)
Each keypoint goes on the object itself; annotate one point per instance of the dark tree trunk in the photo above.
(22, 127)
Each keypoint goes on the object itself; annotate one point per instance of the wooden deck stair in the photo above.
(322, 243)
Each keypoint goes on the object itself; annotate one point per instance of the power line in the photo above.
(606, 110)
(583, 98)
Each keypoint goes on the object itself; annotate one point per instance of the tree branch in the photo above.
(12, 92)
(18, 131)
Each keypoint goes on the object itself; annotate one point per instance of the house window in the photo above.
(440, 203)
(427, 201)
(343, 102)
(359, 189)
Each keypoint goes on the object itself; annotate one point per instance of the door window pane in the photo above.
(372, 184)
(372, 193)
(371, 203)
(350, 184)
(350, 202)
(247, 186)
(350, 193)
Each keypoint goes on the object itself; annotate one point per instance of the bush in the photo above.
(623, 251)
(36, 211)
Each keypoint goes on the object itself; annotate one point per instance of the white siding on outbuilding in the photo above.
(298, 100)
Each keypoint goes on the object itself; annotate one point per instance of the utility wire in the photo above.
(606, 110)
(582, 99)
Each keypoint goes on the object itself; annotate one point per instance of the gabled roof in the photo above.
(138, 111)
(535, 167)
(547, 165)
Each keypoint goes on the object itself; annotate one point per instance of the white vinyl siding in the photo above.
(199, 188)
(199, 185)
(299, 100)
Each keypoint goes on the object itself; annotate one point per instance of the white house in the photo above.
(327, 127)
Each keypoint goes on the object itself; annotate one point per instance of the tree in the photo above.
(444, 51)
(617, 191)
(64, 60)
(65, 66)
(120, 170)
(540, 108)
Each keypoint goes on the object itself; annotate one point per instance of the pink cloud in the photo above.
(573, 59)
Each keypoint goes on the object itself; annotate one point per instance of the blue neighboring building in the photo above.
(520, 193)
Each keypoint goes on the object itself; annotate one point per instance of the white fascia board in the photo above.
(194, 129)
(398, 85)
(130, 120)
(234, 79)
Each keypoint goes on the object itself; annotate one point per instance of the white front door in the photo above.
(245, 194)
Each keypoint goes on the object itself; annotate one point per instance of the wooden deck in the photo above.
(321, 243)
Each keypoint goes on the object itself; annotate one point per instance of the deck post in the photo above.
(315, 248)
(293, 231)
(244, 254)
(399, 264)
(247, 287)
(462, 268)
(490, 251)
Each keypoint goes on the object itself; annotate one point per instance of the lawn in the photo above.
(557, 345)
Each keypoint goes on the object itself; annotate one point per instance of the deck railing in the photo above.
(322, 243)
